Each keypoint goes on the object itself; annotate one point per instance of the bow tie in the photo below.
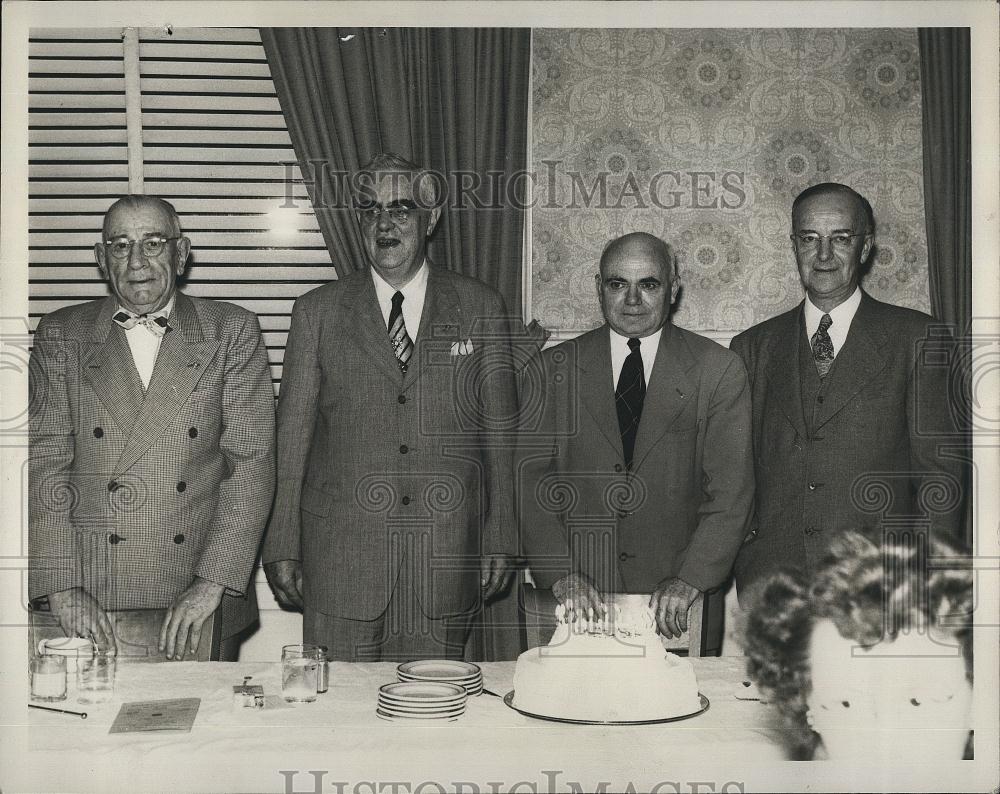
(155, 324)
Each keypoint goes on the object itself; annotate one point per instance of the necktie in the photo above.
(402, 345)
(156, 324)
(629, 396)
(822, 346)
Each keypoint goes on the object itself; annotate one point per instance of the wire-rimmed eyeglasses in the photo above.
(121, 247)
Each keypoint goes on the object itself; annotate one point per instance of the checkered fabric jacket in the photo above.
(133, 494)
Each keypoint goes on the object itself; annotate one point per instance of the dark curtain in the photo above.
(945, 80)
(454, 100)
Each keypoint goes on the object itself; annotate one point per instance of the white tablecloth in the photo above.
(491, 748)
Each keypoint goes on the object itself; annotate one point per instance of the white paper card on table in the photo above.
(156, 715)
(747, 690)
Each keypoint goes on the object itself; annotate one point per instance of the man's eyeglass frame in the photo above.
(157, 241)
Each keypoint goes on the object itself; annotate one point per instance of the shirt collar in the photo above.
(841, 315)
(414, 287)
(163, 312)
(650, 342)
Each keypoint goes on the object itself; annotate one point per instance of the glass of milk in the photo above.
(48, 678)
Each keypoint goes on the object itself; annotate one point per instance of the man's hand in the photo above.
(670, 602)
(580, 598)
(495, 573)
(188, 613)
(80, 615)
(285, 578)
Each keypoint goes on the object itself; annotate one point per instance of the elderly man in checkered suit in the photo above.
(152, 446)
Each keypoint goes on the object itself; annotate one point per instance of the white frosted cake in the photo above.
(605, 675)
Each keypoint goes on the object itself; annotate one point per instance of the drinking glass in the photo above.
(95, 677)
(48, 678)
(299, 669)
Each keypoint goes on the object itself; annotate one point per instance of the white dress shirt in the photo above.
(620, 350)
(145, 345)
(414, 291)
(842, 316)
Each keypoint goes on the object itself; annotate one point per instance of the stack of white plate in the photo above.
(421, 700)
(444, 671)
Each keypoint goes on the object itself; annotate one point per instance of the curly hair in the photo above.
(870, 589)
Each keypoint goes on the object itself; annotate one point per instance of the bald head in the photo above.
(637, 284)
(135, 201)
(638, 244)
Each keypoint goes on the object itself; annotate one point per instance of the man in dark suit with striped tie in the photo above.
(637, 477)
(848, 412)
(393, 519)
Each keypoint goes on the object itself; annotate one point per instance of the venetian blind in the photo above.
(212, 141)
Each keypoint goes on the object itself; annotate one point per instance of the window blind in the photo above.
(214, 144)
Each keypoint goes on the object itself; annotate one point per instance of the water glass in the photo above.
(95, 677)
(299, 670)
(48, 678)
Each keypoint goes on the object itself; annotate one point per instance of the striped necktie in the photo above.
(402, 345)
(629, 396)
(822, 346)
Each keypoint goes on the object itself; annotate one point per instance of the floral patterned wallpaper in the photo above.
(704, 137)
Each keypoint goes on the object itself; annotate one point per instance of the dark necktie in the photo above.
(822, 346)
(629, 395)
(402, 345)
(155, 323)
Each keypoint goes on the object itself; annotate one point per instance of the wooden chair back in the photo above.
(137, 633)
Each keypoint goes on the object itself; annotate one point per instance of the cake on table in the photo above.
(614, 671)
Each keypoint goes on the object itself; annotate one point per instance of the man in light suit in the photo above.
(636, 476)
(393, 516)
(848, 412)
(152, 445)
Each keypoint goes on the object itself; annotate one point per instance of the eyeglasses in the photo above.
(837, 240)
(398, 213)
(121, 247)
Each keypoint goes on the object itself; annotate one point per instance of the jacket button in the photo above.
(812, 486)
(810, 530)
(193, 432)
(98, 432)
(403, 449)
(819, 399)
(179, 538)
(618, 467)
(622, 557)
(112, 486)
(114, 539)
(405, 500)
(401, 399)
(181, 486)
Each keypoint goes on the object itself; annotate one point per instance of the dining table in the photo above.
(339, 744)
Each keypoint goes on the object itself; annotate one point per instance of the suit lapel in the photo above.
(858, 362)
(366, 326)
(784, 383)
(440, 320)
(180, 362)
(109, 368)
(670, 389)
(597, 388)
